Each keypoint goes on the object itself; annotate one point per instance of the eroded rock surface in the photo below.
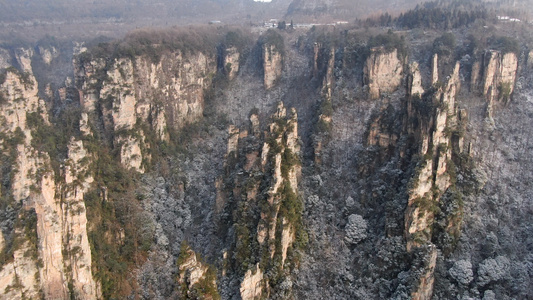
(382, 72)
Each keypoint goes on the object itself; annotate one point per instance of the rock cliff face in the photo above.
(432, 179)
(33, 186)
(414, 85)
(18, 277)
(327, 88)
(328, 83)
(252, 284)
(88, 77)
(5, 58)
(426, 279)
(436, 120)
(283, 148)
(379, 133)
(382, 72)
(435, 69)
(58, 227)
(231, 62)
(272, 64)
(23, 58)
(317, 184)
(48, 54)
(78, 179)
(263, 172)
(196, 279)
(167, 95)
(498, 75)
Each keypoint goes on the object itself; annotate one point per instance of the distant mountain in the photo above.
(42, 10)
(346, 8)
(31, 20)
(230, 10)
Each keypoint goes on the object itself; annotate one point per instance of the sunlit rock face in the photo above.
(272, 65)
(498, 74)
(165, 94)
(382, 72)
(59, 229)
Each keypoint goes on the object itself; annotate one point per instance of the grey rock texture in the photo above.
(422, 189)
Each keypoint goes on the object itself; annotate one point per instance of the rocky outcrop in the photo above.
(231, 62)
(252, 284)
(118, 95)
(499, 75)
(131, 155)
(325, 111)
(317, 47)
(14, 116)
(119, 108)
(197, 280)
(426, 280)
(23, 58)
(435, 69)
(48, 54)
(50, 233)
(275, 152)
(382, 72)
(380, 134)
(262, 175)
(19, 279)
(431, 179)
(19, 94)
(33, 185)
(254, 120)
(60, 226)
(278, 221)
(436, 116)
(233, 140)
(474, 76)
(272, 64)
(5, 58)
(414, 80)
(159, 123)
(89, 74)
(77, 181)
(175, 86)
(328, 83)
(166, 94)
(85, 128)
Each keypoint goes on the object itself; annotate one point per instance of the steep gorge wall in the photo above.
(432, 179)
(264, 244)
(44, 273)
(383, 71)
(272, 64)
(497, 75)
(259, 205)
(166, 95)
(33, 186)
(231, 62)
(78, 178)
